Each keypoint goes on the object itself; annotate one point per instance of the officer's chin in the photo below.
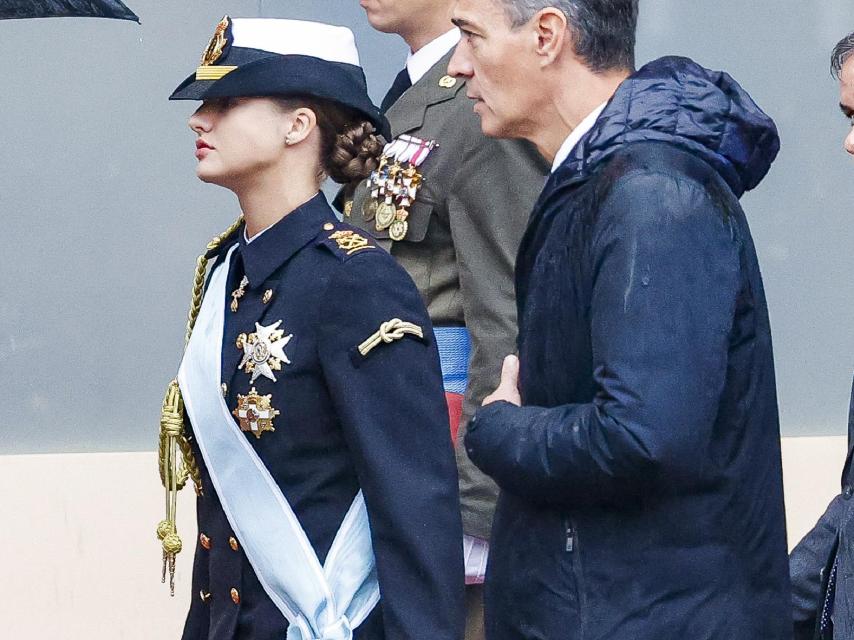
(208, 174)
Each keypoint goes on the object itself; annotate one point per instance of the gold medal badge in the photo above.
(255, 413)
(385, 215)
(397, 230)
(369, 209)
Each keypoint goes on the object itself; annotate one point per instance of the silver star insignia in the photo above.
(264, 351)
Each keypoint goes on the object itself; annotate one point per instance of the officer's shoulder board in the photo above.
(344, 241)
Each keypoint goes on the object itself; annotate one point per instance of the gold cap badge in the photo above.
(218, 41)
(213, 52)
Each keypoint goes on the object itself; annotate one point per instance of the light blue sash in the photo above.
(454, 346)
(320, 603)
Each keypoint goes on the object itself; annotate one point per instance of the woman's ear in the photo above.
(302, 121)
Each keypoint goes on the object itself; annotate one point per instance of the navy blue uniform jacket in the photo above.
(377, 422)
(641, 479)
(830, 542)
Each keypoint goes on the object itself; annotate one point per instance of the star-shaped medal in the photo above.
(255, 413)
(264, 351)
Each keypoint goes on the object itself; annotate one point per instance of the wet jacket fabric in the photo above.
(821, 607)
(641, 483)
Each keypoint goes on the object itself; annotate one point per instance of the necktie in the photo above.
(401, 83)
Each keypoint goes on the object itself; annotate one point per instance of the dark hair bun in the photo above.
(356, 153)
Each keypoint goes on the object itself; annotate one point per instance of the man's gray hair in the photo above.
(603, 30)
(841, 52)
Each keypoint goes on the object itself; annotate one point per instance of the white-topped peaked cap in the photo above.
(255, 57)
(296, 37)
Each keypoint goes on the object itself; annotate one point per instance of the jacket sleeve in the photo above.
(665, 277)
(489, 203)
(393, 414)
(807, 563)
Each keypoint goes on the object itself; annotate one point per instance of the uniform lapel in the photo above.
(407, 114)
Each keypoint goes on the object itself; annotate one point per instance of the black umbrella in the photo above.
(65, 9)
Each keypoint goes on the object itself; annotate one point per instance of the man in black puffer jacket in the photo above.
(639, 459)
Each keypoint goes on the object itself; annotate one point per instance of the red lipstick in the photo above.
(202, 148)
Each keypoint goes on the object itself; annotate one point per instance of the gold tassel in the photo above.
(173, 475)
(175, 471)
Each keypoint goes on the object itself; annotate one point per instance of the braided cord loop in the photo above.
(173, 442)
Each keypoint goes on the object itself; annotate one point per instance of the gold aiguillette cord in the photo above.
(175, 470)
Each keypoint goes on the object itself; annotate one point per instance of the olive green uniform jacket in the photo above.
(465, 227)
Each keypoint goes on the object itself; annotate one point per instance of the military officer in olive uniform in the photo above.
(463, 229)
(316, 429)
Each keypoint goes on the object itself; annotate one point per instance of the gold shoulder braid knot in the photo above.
(174, 472)
(388, 332)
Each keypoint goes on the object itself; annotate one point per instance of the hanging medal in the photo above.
(394, 185)
(410, 182)
(386, 208)
(377, 177)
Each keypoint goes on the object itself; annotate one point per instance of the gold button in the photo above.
(268, 295)
(235, 596)
(328, 226)
(206, 542)
(447, 82)
(232, 542)
(204, 595)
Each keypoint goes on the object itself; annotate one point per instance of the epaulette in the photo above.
(344, 241)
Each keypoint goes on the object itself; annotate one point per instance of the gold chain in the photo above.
(174, 473)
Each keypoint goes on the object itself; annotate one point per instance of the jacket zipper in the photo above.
(571, 547)
(570, 535)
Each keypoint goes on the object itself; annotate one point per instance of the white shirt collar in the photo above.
(257, 235)
(583, 127)
(420, 62)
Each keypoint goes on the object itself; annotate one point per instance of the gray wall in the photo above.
(103, 217)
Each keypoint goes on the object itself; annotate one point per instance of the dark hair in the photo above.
(604, 30)
(350, 147)
(841, 52)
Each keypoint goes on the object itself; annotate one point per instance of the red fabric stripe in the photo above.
(455, 412)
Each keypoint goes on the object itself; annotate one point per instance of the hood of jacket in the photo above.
(677, 101)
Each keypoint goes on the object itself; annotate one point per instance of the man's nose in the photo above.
(849, 142)
(460, 64)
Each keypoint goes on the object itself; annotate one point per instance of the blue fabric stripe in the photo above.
(454, 346)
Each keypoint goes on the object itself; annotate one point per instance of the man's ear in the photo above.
(302, 121)
(550, 27)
